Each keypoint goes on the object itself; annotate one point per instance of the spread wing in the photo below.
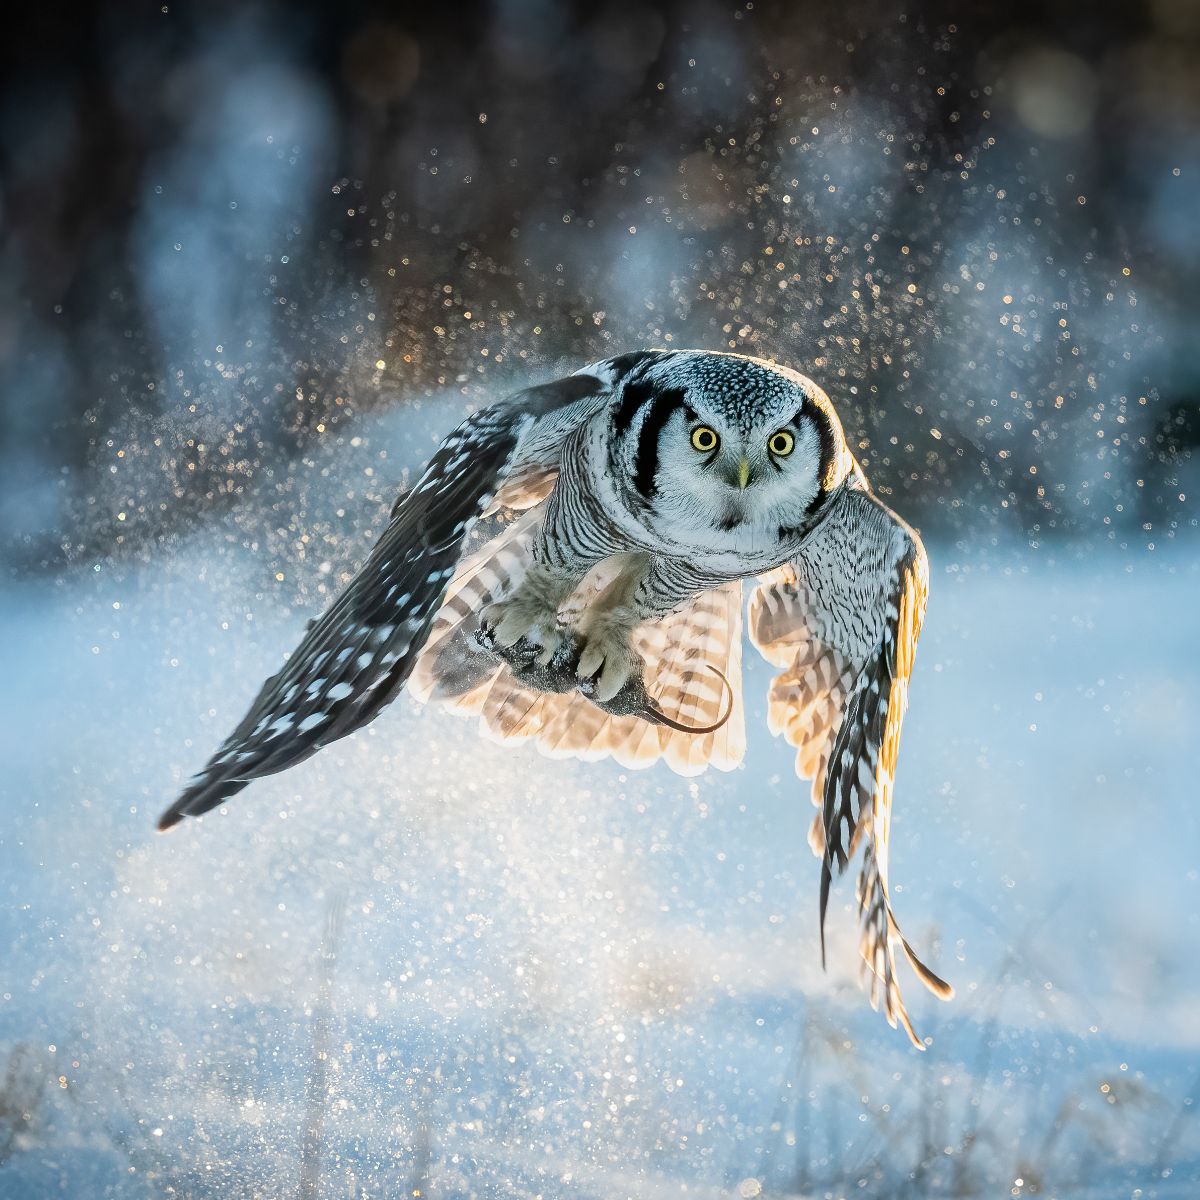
(358, 656)
(842, 621)
(692, 656)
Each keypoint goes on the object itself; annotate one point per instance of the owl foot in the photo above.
(520, 629)
(528, 662)
(525, 632)
(547, 669)
(561, 672)
(607, 661)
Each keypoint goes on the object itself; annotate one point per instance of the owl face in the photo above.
(739, 448)
(736, 475)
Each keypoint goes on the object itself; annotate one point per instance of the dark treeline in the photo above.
(228, 230)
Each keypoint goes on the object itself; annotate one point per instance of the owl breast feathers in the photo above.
(612, 518)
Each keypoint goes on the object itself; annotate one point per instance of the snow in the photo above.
(581, 981)
(424, 962)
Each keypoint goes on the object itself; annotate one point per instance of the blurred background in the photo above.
(230, 230)
(255, 259)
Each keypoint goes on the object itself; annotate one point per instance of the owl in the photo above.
(570, 569)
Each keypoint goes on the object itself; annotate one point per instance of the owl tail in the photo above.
(693, 674)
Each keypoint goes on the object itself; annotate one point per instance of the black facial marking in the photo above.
(632, 398)
(646, 462)
(793, 533)
(821, 421)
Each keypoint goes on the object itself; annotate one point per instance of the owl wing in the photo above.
(358, 656)
(692, 656)
(842, 620)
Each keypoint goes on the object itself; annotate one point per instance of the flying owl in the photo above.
(623, 506)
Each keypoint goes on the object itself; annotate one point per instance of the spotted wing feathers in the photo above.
(356, 658)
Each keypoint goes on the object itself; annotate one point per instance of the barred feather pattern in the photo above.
(590, 476)
(804, 702)
(843, 621)
(680, 650)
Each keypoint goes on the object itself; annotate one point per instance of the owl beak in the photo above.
(743, 475)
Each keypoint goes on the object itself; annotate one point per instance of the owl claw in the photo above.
(517, 621)
(553, 673)
(607, 661)
(529, 661)
(485, 635)
(558, 670)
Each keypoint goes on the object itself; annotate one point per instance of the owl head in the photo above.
(730, 443)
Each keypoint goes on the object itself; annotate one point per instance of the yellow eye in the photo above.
(704, 439)
(782, 444)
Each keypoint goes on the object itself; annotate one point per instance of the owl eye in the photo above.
(781, 444)
(704, 439)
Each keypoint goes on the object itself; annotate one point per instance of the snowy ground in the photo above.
(573, 981)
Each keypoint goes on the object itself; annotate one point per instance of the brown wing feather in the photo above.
(683, 653)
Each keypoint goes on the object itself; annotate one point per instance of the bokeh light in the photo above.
(255, 259)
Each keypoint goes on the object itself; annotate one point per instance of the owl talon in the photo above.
(518, 619)
(554, 674)
(606, 661)
(525, 657)
(607, 679)
(485, 635)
